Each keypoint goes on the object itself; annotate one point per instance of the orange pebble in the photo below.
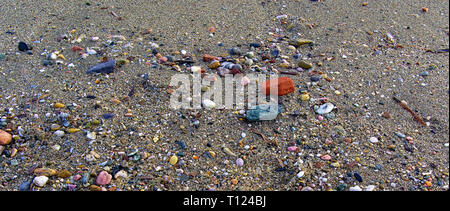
(424, 9)
(285, 86)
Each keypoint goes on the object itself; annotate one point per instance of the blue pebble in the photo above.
(358, 177)
(25, 186)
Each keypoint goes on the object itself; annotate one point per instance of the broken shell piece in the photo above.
(325, 108)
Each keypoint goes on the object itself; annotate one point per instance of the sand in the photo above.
(351, 48)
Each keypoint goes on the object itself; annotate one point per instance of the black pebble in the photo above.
(358, 177)
(23, 46)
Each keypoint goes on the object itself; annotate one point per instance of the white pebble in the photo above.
(355, 188)
(59, 133)
(40, 181)
(373, 140)
(370, 188)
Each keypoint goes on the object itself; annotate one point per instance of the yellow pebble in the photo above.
(304, 97)
(155, 139)
(97, 81)
(59, 105)
(357, 159)
(337, 92)
(73, 130)
(173, 160)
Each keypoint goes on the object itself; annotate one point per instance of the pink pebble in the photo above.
(239, 162)
(327, 141)
(71, 187)
(292, 148)
(326, 157)
(103, 178)
(77, 177)
(320, 118)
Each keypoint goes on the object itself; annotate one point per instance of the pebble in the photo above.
(304, 65)
(106, 67)
(358, 177)
(5, 137)
(263, 112)
(284, 86)
(103, 178)
(370, 188)
(325, 108)
(209, 103)
(325, 157)
(235, 51)
(64, 174)
(59, 133)
(373, 140)
(40, 181)
(355, 188)
(25, 186)
(121, 174)
(239, 162)
(173, 160)
(22, 46)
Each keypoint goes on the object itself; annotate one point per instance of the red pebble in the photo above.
(284, 85)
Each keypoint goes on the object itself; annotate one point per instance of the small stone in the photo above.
(173, 160)
(64, 174)
(373, 140)
(325, 157)
(209, 104)
(235, 51)
(40, 181)
(239, 162)
(300, 174)
(263, 112)
(59, 105)
(59, 133)
(25, 186)
(45, 172)
(370, 188)
(304, 97)
(106, 67)
(386, 115)
(121, 174)
(23, 46)
(304, 65)
(103, 178)
(355, 188)
(5, 138)
(358, 177)
(284, 86)
(300, 42)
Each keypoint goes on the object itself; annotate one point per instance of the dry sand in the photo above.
(347, 36)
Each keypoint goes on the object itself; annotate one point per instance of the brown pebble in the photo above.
(64, 174)
(5, 138)
(386, 115)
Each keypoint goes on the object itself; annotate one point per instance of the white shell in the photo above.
(325, 108)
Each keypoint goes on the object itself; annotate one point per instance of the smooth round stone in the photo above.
(300, 174)
(40, 181)
(103, 178)
(373, 140)
(5, 138)
(325, 157)
(173, 160)
(370, 188)
(355, 188)
(209, 104)
(23, 46)
(239, 162)
(59, 133)
(235, 51)
(325, 108)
